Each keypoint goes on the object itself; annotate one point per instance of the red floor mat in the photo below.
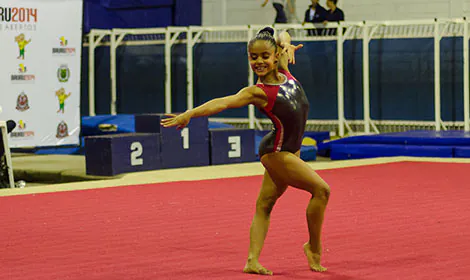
(392, 221)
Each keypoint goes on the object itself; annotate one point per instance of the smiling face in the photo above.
(263, 57)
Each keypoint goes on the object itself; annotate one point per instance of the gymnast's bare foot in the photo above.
(254, 267)
(313, 259)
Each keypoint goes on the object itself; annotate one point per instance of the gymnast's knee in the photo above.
(265, 205)
(322, 192)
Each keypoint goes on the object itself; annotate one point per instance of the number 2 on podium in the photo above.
(185, 136)
(137, 150)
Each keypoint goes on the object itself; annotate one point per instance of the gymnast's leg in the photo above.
(287, 168)
(268, 196)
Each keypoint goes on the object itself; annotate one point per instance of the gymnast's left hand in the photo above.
(180, 121)
(290, 50)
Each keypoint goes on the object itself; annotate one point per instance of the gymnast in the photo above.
(282, 99)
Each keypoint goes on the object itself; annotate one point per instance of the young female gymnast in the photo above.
(281, 98)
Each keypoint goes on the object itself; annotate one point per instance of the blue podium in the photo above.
(179, 148)
(232, 145)
(109, 155)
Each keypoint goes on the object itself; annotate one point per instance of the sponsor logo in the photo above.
(22, 131)
(20, 15)
(63, 42)
(18, 19)
(62, 96)
(63, 49)
(62, 130)
(22, 75)
(21, 124)
(63, 73)
(22, 43)
(22, 102)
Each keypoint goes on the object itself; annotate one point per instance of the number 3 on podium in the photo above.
(185, 136)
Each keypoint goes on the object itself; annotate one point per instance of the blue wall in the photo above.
(102, 82)
(401, 78)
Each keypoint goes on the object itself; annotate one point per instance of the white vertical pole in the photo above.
(466, 84)
(168, 71)
(365, 58)
(189, 69)
(113, 73)
(340, 80)
(251, 77)
(437, 77)
(223, 12)
(91, 74)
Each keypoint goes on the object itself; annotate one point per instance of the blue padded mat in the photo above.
(124, 124)
(213, 125)
(61, 150)
(416, 137)
(308, 153)
(358, 151)
(462, 152)
(324, 149)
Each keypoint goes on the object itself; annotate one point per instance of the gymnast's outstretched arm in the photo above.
(248, 95)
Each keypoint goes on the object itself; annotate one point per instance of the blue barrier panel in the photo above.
(462, 152)
(179, 148)
(358, 151)
(109, 155)
(415, 137)
(232, 146)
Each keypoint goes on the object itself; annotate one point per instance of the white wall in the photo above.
(242, 12)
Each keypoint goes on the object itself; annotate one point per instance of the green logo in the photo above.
(63, 73)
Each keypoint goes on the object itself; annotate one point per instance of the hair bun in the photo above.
(265, 34)
(268, 30)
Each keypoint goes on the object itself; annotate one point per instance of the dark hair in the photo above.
(334, 1)
(265, 34)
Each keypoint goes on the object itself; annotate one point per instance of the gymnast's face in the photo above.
(263, 57)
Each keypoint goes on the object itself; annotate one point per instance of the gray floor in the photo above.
(50, 169)
(39, 170)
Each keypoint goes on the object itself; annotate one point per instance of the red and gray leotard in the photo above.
(288, 110)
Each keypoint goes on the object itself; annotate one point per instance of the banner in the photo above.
(40, 50)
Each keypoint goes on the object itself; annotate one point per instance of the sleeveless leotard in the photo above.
(288, 110)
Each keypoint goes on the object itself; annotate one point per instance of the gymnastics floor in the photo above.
(396, 220)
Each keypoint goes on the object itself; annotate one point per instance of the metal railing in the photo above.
(336, 32)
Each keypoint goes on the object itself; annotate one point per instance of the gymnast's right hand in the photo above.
(180, 121)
